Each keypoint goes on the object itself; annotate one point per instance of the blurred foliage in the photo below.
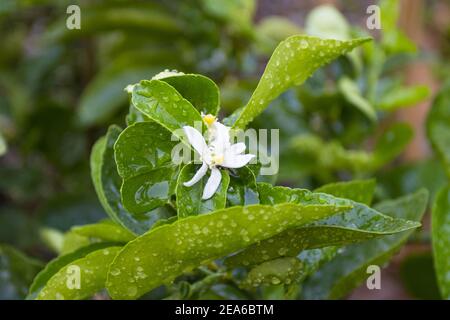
(59, 88)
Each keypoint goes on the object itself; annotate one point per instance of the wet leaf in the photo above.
(355, 225)
(107, 183)
(93, 269)
(165, 105)
(58, 263)
(342, 274)
(242, 189)
(292, 62)
(169, 250)
(274, 272)
(189, 199)
(199, 90)
(440, 225)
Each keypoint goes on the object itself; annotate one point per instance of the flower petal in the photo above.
(197, 176)
(195, 139)
(212, 184)
(236, 161)
(237, 148)
(220, 138)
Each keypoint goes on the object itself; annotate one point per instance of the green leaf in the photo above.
(440, 225)
(107, 184)
(148, 191)
(189, 199)
(393, 39)
(357, 190)
(58, 263)
(106, 231)
(165, 105)
(3, 145)
(141, 148)
(392, 143)
(238, 13)
(355, 225)
(339, 276)
(199, 90)
(353, 94)
(274, 272)
(93, 269)
(242, 190)
(292, 62)
(165, 252)
(403, 97)
(52, 238)
(72, 242)
(438, 128)
(326, 21)
(17, 272)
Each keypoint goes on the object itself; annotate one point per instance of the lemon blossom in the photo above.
(217, 152)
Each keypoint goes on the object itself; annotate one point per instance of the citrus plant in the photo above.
(247, 238)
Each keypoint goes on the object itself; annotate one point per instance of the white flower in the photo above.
(219, 152)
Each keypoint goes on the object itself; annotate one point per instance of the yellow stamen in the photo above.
(209, 119)
(217, 159)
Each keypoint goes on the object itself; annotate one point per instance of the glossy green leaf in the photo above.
(238, 13)
(106, 231)
(58, 263)
(403, 97)
(169, 250)
(355, 225)
(292, 62)
(440, 224)
(199, 90)
(107, 184)
(148, 191)
(93, 269)
(189, 199)
(17, 272)
(163, 104)
(242, 190)
(274, 272)
(141, 148)
(353, 94)
(143, 157)
(339, 276)
(438, 128)
(357, 190)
